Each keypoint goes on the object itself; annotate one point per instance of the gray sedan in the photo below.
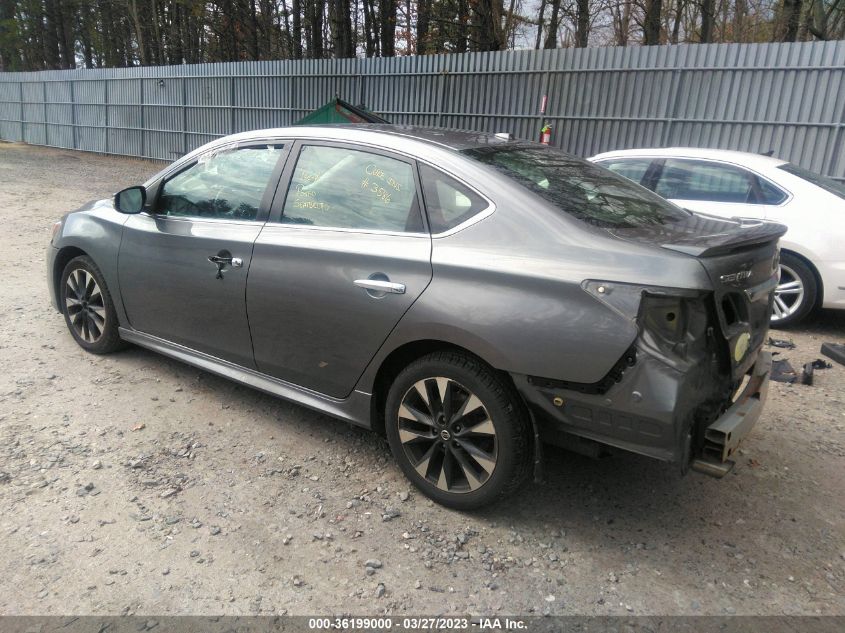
(469, 296)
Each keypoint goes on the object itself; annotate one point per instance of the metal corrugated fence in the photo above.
(789, 98)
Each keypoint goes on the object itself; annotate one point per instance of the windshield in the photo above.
(581, 189)
(828, 184)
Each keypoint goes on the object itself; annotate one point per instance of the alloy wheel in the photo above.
(447, 435)
(85, 305)
(789, 294)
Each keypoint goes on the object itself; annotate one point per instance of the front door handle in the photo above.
(224, 258)
(234, 262)
(379, 285)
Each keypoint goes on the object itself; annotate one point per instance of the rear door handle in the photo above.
(380, 286)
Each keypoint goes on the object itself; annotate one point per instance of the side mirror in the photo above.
(131, 200)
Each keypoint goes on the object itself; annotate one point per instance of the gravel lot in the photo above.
(136, 484)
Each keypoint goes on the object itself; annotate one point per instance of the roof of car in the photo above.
(454, 139)
(742, 158)
(450, 139)
(436, 145)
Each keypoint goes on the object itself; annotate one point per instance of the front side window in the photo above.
(579, 188)
(351, 189)
(703, 180)
(223, 185)
(632, 168)
(447, 201)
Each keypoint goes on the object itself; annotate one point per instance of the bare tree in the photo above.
(340, 16)
(10, 38)
(621, 19)
(41, 34)
(677, 19)
(554, 25)
(540, 21)
(651, 22)
(423, 20)
(707, 17)
(790, 20)
(827, 19)
(387, 24)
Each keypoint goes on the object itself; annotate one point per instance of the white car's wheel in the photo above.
(795, 295)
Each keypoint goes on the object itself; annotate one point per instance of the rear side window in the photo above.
(447, 201)
(577, 187)
(632, 168)
(828, 184)
(221, 185)
(769, 194)
(350, 189)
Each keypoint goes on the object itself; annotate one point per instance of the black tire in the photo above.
(89, 312)
(798, 306)
(469, 484)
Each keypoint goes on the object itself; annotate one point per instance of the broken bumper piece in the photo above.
(722, 437)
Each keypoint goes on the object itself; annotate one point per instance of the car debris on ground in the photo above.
(836, 351)
(782, 343)
(782, 371)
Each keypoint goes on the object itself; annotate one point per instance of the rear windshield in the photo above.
(828, 184)
(581, 189)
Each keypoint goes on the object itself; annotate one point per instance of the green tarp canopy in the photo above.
(338, 111)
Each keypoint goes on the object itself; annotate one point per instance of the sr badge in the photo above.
(742, 275)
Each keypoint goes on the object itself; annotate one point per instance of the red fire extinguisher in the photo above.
(546, 134)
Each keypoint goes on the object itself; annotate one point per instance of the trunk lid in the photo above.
(741, 259)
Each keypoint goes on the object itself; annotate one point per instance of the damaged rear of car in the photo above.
(692, 378)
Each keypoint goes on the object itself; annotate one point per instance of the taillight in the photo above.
(670, 320)
(665, 318)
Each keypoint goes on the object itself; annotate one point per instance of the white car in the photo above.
(738, 184)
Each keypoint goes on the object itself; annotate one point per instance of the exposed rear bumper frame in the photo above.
(724, 435)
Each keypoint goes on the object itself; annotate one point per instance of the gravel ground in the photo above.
(136, 484)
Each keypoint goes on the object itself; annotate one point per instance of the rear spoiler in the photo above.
(745, 233)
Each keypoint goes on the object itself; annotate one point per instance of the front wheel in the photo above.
(795, 294)
(88, 308)
(458, 430)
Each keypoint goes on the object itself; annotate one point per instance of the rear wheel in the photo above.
(88, 308)
(458, 430)
(795, 295)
